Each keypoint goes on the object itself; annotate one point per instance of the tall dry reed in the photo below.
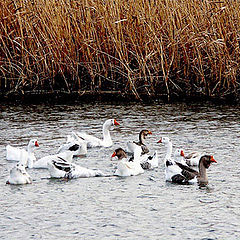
(147, 47)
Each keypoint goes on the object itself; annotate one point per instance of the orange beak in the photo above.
(212, 159)
(182, 153)
(149, 132)
(116, 123)
(36, 144)
(160, 141)
(114, 154)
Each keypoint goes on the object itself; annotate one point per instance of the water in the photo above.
(139, 207)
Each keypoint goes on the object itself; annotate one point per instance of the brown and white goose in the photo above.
(142, 136)
(179, 173)
(190, 175)
(128, 167)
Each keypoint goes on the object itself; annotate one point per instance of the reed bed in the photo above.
(172, 48)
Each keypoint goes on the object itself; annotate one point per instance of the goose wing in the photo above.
(187, 172)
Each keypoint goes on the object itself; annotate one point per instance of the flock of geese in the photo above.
(178, 167)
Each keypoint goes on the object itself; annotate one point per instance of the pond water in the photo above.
(138, 207)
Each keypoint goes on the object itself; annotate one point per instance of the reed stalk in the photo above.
(148, 47)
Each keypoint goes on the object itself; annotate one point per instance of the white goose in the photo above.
(179, 156)
(19, 175)
(178, 173)
(67, 156)
(64, 169)
(96, 142)
(20, 154)
(72, 140)
(127, 167)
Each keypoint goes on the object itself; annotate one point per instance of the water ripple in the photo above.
(138, 207)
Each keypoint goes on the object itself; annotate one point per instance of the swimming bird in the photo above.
(149, 161)
(192, 159)
(93, 141)
(142, 136)
(178, 173)
(128, 167)
(67, 155)
(179, 156)
(20, 154)
(19, 175)
(61, 168)
(71, 141)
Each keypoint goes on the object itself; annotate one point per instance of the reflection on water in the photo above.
(137, 207)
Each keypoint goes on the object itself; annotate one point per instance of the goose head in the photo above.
(207, 160)
(33, 143)
(164, 140)
(109, 123)
(119, 153)
(19, 168)
(179, 152)
(143, 134)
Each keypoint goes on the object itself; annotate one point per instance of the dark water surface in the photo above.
(140, 207)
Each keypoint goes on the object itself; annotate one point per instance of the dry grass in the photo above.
(147, 47)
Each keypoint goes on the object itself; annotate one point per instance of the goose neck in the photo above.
(106, 133)
(141, 138)
(30, 149)
(203, 179)
(169, 150)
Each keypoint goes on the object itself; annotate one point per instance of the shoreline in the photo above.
(59, 97)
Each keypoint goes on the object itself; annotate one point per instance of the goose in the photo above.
(61, 168)
(179, 156)
(96, 142)
(72, 140)
(149, 161)
(20, 154)
(142, 136)
(193, 158)
(127, 167)
(19, 175)
(67, 155)
(178, 173)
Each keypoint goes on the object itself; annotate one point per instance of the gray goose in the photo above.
(185, 174)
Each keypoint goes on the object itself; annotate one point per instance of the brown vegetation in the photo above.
(143, 48)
